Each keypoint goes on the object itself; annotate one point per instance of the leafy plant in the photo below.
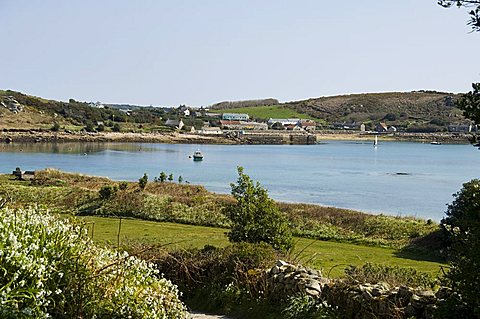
(462, 224)
(50, 268)
(107, 191)
(142, 182)
(255, 217)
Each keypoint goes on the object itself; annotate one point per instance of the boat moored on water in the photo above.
(197, 156)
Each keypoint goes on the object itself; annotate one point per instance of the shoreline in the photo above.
(255, 137)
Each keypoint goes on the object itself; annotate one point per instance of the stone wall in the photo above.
(359, 301)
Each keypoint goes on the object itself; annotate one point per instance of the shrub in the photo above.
(107, 191)
(307, 307)
(50, 268)
(255, 217)
(462, 225)
(142, 182)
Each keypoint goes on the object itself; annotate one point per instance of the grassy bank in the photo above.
(193, 204)
(332, 257)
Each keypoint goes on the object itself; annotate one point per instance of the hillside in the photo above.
(414, 111)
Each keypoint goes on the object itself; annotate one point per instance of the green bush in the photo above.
(142, 182)
(462, 226)
(255, 217)
(50, 268)
(307, 307)
(107, 191)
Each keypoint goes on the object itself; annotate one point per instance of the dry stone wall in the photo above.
(359, 301)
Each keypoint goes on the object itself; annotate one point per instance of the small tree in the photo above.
(255, 217)
(162, 177)
(107, 191)
(180, 179)
(462, 225)
(142, 182)
(170, 178)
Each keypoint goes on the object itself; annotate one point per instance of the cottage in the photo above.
(308, 125)
(177, 124)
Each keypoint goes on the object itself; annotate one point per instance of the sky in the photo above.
(199, 52)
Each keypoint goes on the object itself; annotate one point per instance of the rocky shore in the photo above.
(281, 137)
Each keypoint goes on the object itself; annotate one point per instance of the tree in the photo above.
(474, 13)
(107, 191)
(170, 178)
(162, 177)
(180, 179)
(255, 217)
(470, 104)
(462, 226)
(142, 182)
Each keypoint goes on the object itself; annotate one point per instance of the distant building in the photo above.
(307, 125)
(346, 126)
(243, 125)
(235, 117)
(96, 105)
(362, 127)
(381, 127)
(284, 122)
(461, 128)
(177, 124)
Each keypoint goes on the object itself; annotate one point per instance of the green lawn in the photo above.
(266, 112)
(332, 257)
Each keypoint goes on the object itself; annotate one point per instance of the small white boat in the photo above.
(375, 142)
(197, 156)
(435, 143)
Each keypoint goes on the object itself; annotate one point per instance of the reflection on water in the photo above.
(75, 147)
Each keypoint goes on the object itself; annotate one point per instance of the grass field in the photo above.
(332, 257)
(266, 112)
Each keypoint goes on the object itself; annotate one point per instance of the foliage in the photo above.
(107, 191)
(170, 177)
(180, 179)
(55, 127)
(462, 224)
(50, 268)
(142, 182)
(162, 177)
(89, 127)
(470, 103)
(116, 128)
(219, 279)
(307, 307)
(255, 217)
(392, 275)
(474, 13)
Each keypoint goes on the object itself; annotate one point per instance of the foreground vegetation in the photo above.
(50, 268)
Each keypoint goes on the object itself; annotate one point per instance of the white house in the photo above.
(284, 122)
(177, 124)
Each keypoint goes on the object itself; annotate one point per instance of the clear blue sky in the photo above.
(199, 52)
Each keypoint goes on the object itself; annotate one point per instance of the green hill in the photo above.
(414, 111)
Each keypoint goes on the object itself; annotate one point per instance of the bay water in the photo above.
(395, 178)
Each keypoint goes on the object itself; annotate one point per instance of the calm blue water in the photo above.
(342, 174)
